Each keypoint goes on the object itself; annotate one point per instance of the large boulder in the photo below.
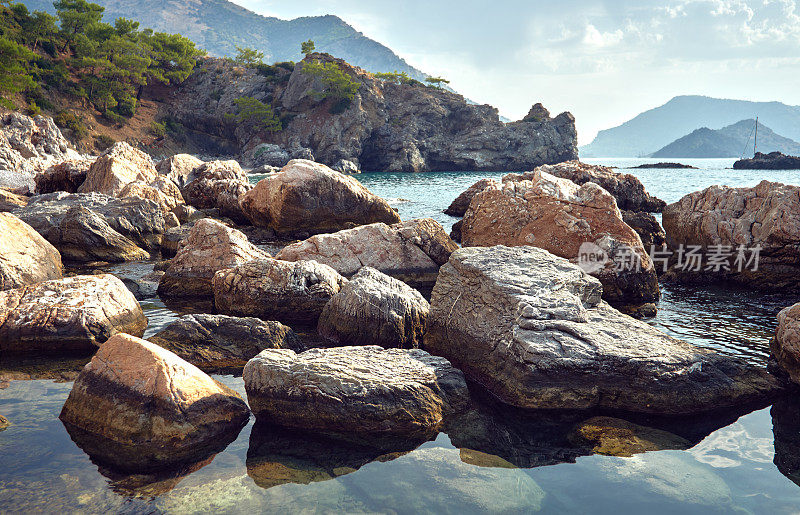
(274, 289)
(354, 390)
(142, 221)
(628, 191)
(74, 314)
(179, 168)
(219, 185)
(785, 346)
(375, 309)
(209, 247)
(29, 145)
(460, 204)
(310, 197)
(148, 408)
(116, 168)
(219, 342)
(569, 221)
(85, 236)
(26, 257)
(65, 176)
(753, 235)
(532, 329)
(411, 251)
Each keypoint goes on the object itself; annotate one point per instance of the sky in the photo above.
(604, 60)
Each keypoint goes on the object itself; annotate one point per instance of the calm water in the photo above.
(485, 461)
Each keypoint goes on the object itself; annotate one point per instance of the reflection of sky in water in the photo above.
(729, 470)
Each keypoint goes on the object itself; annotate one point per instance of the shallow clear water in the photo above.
(485, 461)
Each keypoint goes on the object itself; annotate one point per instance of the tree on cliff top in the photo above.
(257, 113)
(307, 47)
(336, 83)
(248, 56)
(437, 81)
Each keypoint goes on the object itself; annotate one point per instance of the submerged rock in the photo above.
(785, 346)
(209, 247)
(571, 222)
(785, 413)
(354, 390)
(219, 342)
(149, 408)
(4, 423)
(310, 197)
(375, 309)
(411, 251)
(74, 314)
(532, 329)
(616, 437)
(274, 289)
(142, 221)
(26, 257)
(730, 223)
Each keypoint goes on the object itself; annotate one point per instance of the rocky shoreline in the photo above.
(771, 161)
(516, 313)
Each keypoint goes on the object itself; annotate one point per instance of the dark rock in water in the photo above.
(276, 290)
(278, 455)
(85, 236)
(141, 221)
(145, 287)
(139, 407)
(219, 342)
(459, 206)
(771, 161)
(648, 229)
(616, 437)
(74, 314)
(355, 390)
(531, 328)
(375, 309)
(785, 346)
(455, 232)
(3, 423)
(753, 233)
(663, 165)
(786, 428)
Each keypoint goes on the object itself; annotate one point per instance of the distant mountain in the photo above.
(218, 26)
(730, 141)
(653, 129)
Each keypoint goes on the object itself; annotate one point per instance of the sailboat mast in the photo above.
(755, 145)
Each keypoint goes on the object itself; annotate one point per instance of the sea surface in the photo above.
(491, 461)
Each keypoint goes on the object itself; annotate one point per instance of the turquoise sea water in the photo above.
(486, 461)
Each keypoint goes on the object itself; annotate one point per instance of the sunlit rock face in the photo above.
(27, 258)
(138, 406)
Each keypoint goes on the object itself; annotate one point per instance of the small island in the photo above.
(771, 161)
(663, 165)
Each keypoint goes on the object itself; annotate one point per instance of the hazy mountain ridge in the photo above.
(218, 26)
(652, 130)
(731, 141)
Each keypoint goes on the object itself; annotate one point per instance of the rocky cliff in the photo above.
(387, 126)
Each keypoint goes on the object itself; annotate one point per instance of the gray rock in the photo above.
(145, 287)
(218, 184)
(219, 342)
(354, 390)
(375, 309)
(276, 290)
(532, 329)
(345, 166)
(141, 221)
(85, 236)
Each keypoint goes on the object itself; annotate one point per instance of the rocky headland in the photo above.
(771, 161)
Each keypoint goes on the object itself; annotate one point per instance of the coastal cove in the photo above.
(483, 462)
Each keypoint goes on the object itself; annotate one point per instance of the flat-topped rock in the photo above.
(209, 247)
(532, 329)
(310, 197)
(276, 290)
(366, 390)
(149, 408)
(375, 309)
(26, 257)
(731, 223)
(141, 221)
(569, 221)
(74, 314)
(411, 251)
(219, 342)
